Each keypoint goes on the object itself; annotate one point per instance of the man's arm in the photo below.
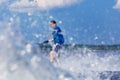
(50, 40)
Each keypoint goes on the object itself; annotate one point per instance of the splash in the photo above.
(91, 65)
(20, 60)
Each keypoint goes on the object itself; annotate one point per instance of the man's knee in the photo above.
(52, 54)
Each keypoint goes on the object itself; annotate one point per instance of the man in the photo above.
(58, 40)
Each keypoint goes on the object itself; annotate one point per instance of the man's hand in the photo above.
(55, 31)
(47, 41)
(51, 40)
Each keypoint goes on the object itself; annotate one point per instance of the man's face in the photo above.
(52, 25)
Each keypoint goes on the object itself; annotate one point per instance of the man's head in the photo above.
(53, 23)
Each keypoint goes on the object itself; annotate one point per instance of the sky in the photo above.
(82, 21)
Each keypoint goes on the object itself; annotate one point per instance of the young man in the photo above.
(58, 40)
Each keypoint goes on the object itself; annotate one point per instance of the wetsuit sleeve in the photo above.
(57, 29)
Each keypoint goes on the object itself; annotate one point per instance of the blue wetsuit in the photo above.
(58, 39)
(56, 28)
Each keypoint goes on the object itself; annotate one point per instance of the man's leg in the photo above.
(58, 48)
(57, 60)
(52, 56)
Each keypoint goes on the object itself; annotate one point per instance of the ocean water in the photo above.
(26, 61)
(22, 60)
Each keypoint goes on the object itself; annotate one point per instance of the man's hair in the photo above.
(53, 21)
